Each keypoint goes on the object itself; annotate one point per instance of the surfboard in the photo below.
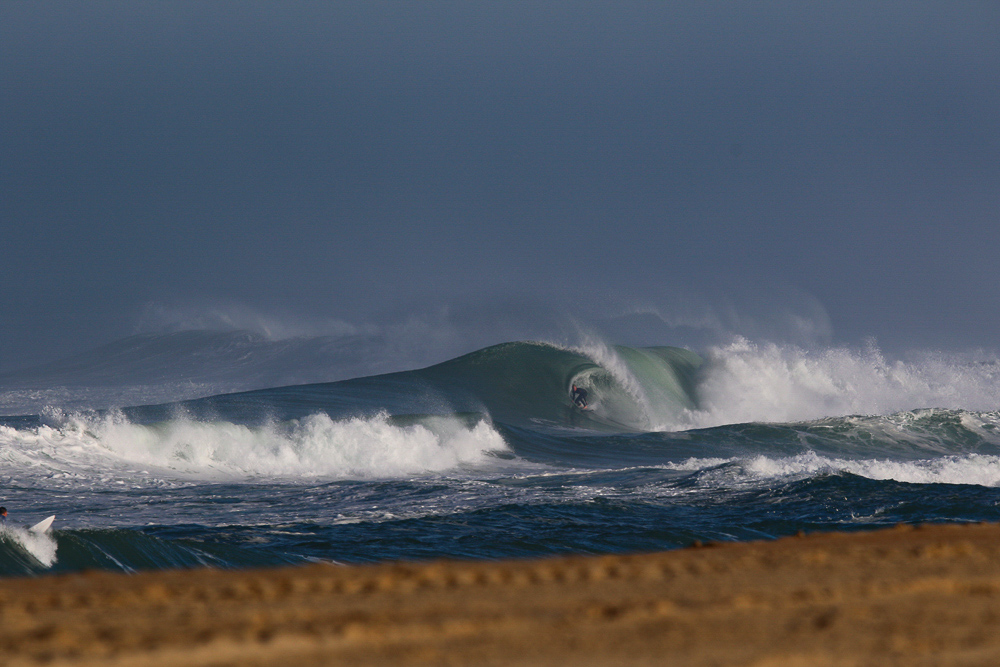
(43, 525)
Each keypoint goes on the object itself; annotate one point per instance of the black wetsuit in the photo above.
(580, 397)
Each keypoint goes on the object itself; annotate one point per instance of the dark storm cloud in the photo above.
(338, 160)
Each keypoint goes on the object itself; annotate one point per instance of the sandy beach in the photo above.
(908, 595)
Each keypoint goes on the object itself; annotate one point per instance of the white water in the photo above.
(41, 546)
(745, 382)
(758, 471)
(314, 447)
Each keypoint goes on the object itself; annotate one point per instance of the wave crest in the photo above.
(744, 382)
(753, 472)
(315, 446)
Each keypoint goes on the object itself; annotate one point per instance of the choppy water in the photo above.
(485, 456)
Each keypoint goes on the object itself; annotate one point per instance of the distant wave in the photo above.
(631, 389)
(516, 383)
(519, 383)
(645, 389)
(906, 437)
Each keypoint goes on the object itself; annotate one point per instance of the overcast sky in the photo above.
(347, 160)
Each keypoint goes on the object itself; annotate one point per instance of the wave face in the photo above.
(515, 383)
(485, 456)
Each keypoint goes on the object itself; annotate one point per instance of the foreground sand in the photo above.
(927, 595)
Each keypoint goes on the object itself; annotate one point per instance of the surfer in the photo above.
(579, 396)
(3, 516)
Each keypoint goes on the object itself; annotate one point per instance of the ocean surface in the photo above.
(482, 456)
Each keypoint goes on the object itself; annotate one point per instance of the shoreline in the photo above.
(903, 595)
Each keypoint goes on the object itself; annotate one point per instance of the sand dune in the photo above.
(926, 595)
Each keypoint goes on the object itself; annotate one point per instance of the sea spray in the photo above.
(607, 358)
(39, 546)
(749, 382)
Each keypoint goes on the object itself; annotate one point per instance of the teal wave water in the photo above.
(516, 383)
(485, 456)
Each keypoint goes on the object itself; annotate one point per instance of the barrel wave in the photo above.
(521, 383)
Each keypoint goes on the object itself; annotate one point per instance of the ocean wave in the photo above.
(26, 550)
(528, 384)
(652, 389)
(314, 447)
(758, 471)
(122, 549)
(747, 382)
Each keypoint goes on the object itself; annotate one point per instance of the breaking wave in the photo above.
(313, 447)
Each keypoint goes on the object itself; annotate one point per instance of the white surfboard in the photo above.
(43, 525)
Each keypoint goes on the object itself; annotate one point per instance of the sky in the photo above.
(827, 166)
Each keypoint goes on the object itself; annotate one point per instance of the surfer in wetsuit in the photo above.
(579, 396)
(3, 516)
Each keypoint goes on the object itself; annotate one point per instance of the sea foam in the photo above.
(40, 546)
(314, 447)
(761, 470)
(746, 382)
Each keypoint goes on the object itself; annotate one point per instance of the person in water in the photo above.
(579, 395)
(3, 515)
